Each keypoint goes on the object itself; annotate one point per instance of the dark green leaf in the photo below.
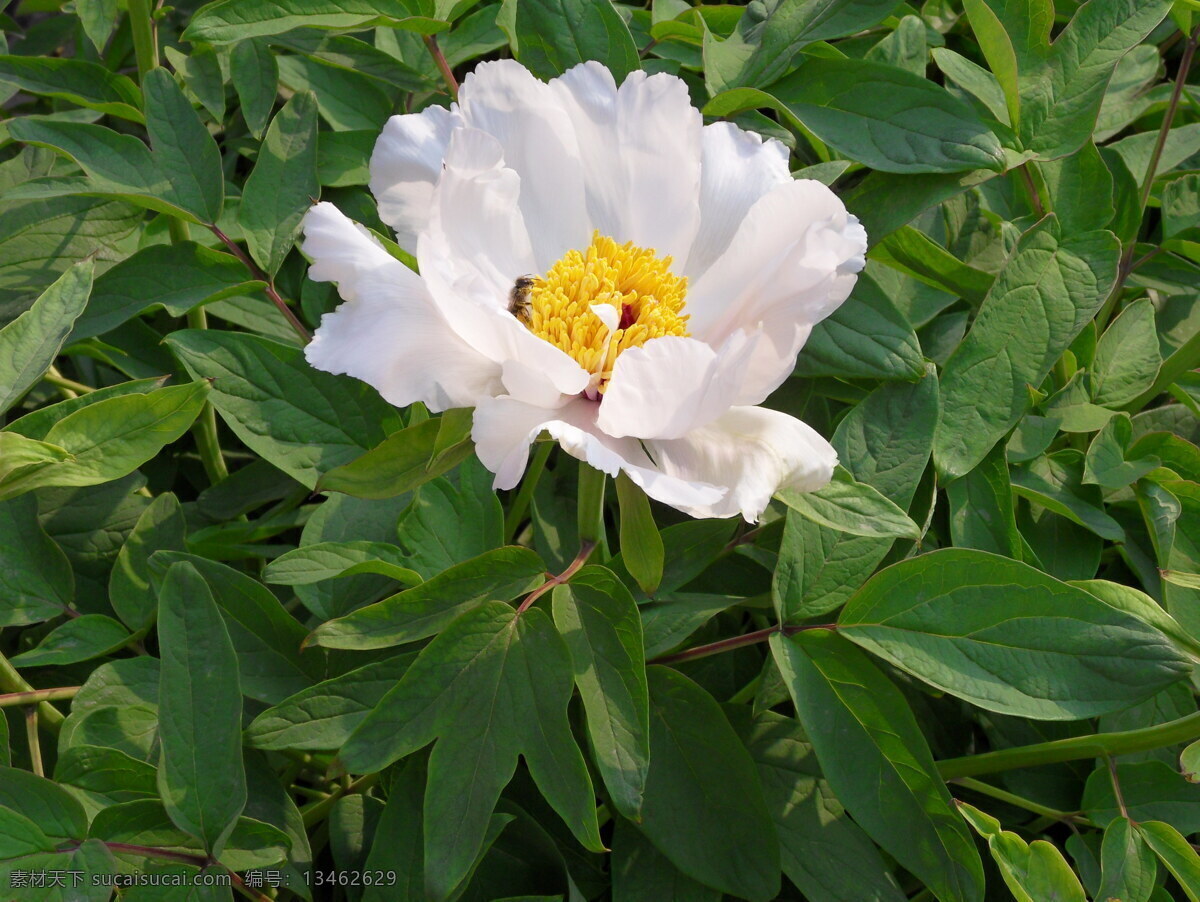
(877, 762)
(424, 609)
(851, 506)
(80, 639)
(36, 582)
(597, 616)
(490, 687)
(184, 151)
(1007, 637)
(550, 36)
(75, 81)
(398, 464)
(200, 773)
(226, 21)
(160, 527)
(1127, 356)
(256, 79)
(1129, 866)
(641, 545)
(283, 184)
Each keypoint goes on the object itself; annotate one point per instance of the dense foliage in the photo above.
(261, 628)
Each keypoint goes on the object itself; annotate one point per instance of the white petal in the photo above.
(474, 247)
(737, 168)
(797, 250)
(389, 333)
(671, 385)
(640, 147)
(754, 452)
(503, 99)
(503, 429)
(405, 166)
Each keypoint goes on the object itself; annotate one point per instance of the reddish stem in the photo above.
(714, 648)
(585, 551)
(263, 277)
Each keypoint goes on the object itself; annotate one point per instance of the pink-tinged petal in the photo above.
(641, 148)
(753, 452)
(503, 99)
(670, 386)
(406, 165)
(737, 168)
(504, 428)
(472, 251)
(388, 333)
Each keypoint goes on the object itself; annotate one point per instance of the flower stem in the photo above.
(261, 276)
(1095, 745)
(1000, 795)
(35, 743)
(12, 682)
(145, 41)
(585, 551)
(58, 380)
(520, 505)
(591, 507)
(33, 696)
(204, 430)
(439, 59)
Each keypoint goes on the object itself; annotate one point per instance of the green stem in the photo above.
(58, 380)
(1094, 745)
(1040, 205)
(145, 42)
(1000, 795)
(591, 507)
(520, 504)
(16, 699)
(317, 811)
(204, 430)
(35, 743)
(11, 681)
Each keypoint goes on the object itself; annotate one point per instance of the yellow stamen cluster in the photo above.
(647, 296)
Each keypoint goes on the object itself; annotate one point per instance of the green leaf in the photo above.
(255, 77)
(400, 463)
(824, 852)
(29, 344)
(598, 618)
(877, 762)
(981, 508)
(999, 52)
(975, 80)
(106, 776)
(226, 21)
(19, 836)
(1129, 866)
(329, 560)
(1055, 481)
(53, 809)
(266, 638)
(769, 36)
(851, 506)
(1046, 292)
(1108, 462)
(641, 545)
(36, 582)
(21, 456)
(492, 686)
(283, 184)
(1061, 95)
(98, 18)
(201, 74)
(866, 337)
(1127, 356)
(113, 437)
(75, 81)
(160, 527)
(184, 152)
(302, 420)
(703, 806)
(1189, 762)
(640, 873)
(447, 524)
(80, 639)
(323, 716)
(1176, 853)
(1032, 871)
(425, 609)
(200, 774)
(918, 255)
(176, 276)
(879, 115)
(1007, 637)
(548, 37)
(1081, 190)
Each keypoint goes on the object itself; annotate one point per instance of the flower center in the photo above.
(596, 303)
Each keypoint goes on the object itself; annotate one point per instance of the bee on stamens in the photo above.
(519, 304)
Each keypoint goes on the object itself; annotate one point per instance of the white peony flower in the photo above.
(675, 271)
